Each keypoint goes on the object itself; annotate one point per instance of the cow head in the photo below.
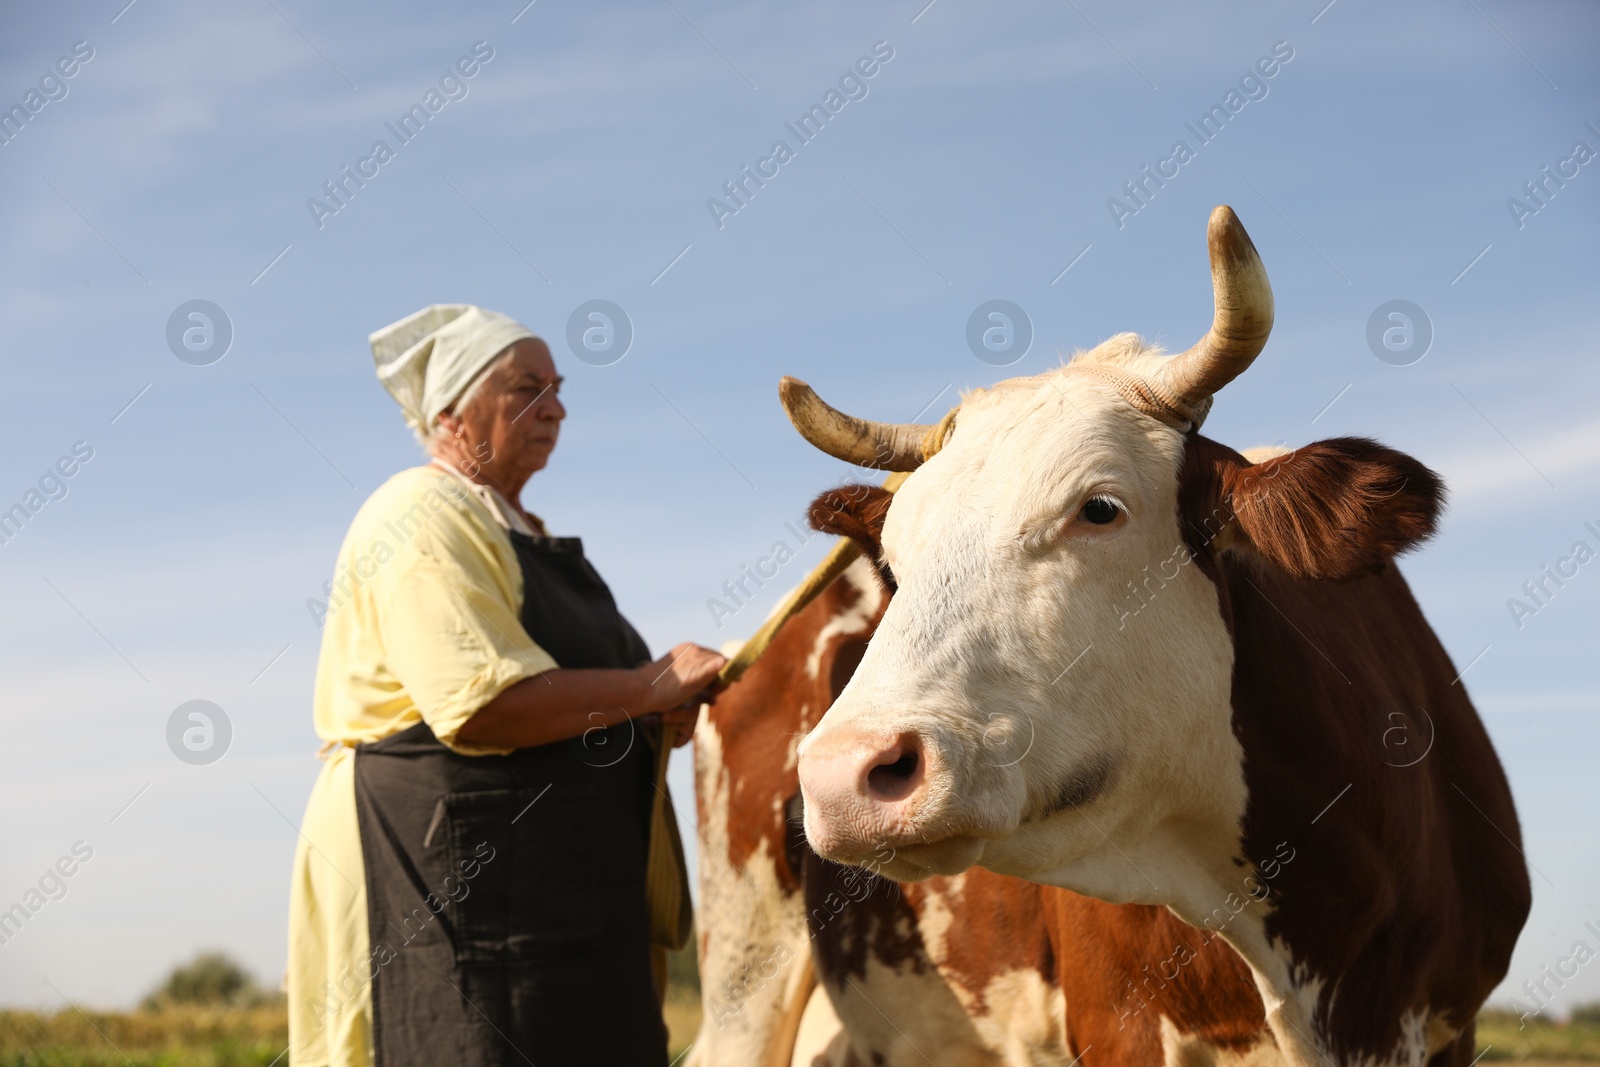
(1048, 692)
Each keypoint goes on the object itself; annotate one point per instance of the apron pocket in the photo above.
(528, 865)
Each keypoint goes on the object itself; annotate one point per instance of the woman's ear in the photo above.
(1331, 510)
(448, 422)
(856, 512)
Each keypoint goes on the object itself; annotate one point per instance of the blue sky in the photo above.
(1377, 166)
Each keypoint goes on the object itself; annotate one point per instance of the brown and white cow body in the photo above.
(975, 969)
(1209, 656)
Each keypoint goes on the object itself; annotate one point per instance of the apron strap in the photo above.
(666, 874)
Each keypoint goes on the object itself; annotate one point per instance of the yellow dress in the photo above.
(421, 625)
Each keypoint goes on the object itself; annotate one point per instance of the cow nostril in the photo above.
(893, 779)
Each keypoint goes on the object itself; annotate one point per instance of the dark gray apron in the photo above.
(506, 894)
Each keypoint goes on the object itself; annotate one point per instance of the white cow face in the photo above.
(1051, 679)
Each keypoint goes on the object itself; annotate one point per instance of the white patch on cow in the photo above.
(1413, 1047)
(1015, 1018)
(1188, 1050)
(1026, 1020)
(753, 968)
(854, 621)
(914, 1019)
(935, 915)
(790, 757)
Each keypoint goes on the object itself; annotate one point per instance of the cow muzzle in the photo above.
(880, 800)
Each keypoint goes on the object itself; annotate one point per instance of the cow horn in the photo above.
(885, 445)
(1240, 324)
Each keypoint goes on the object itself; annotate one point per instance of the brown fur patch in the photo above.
(1122, 967)
(856, 512)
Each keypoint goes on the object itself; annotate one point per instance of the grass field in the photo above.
(189, 1036)
(185, 1036)
(211, 1012)
(1544, 1042)
(194, 1037)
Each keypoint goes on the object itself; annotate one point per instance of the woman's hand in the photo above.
(681, 720)
(680, 676)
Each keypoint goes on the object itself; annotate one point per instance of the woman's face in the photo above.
(510, 424)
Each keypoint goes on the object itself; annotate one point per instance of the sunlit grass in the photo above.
(1547, 1042)
(177, 1036)
(194, 1036)
(210, 1012)
(191, 1036)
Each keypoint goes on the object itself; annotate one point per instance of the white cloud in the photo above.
(1569, 458)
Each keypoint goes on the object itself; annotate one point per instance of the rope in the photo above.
(822, 575)
(834, 564)
(934, 439)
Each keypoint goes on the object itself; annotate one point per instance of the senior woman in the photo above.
(470, 886)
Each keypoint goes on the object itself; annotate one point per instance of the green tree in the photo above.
(211, 978)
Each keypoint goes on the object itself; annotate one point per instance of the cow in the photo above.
(807, 962)
(1216, 662)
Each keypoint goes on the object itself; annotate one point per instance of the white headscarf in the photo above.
(427, 360)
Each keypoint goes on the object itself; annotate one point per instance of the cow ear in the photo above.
(1332, 510)
(856, 512)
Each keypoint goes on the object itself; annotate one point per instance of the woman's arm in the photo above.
(560, 704)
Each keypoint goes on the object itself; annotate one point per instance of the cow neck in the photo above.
(1388, 865)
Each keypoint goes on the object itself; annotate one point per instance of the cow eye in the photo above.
(1100, 510)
